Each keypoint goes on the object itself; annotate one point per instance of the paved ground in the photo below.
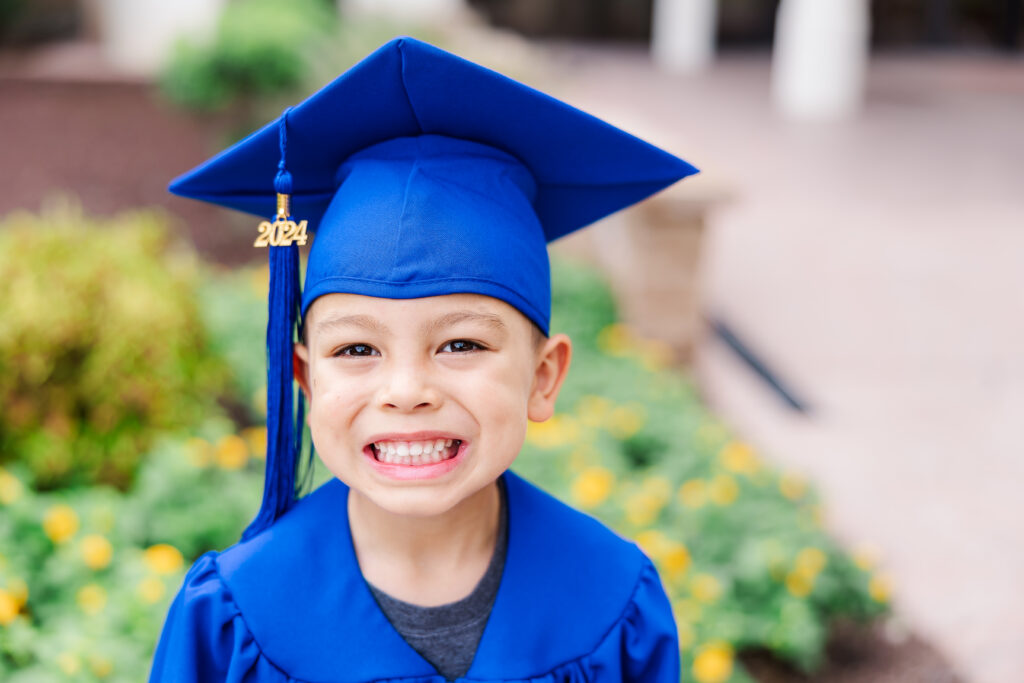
(878, 266)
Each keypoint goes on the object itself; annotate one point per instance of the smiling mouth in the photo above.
(415, 452)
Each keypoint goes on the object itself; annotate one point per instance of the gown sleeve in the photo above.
(204, 637)
(650, 640)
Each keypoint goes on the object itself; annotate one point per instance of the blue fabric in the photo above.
(459, 218)
(461, 203)
(422, 174)
(576, 603)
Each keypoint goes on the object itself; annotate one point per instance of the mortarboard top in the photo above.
(421, 174)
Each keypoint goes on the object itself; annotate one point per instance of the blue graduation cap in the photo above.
(420, 174)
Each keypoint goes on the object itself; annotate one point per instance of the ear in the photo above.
(552, 367)
(300, 368)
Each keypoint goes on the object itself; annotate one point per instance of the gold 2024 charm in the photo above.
(282, 232)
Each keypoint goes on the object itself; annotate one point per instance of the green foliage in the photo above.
(100, 344)
(86, 576)
(261, 48)
(739, 546)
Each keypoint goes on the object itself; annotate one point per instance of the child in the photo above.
(433, 186)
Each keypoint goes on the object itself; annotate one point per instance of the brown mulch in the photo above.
(859, 653)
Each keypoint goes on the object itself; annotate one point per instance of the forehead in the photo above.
(450, 309)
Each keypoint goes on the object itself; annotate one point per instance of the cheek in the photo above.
(499, 397)
(335, 398)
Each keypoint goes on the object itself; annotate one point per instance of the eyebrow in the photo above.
(455, 317)
(373, 325)
(365, 321)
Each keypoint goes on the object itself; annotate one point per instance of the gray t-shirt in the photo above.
(447, 635)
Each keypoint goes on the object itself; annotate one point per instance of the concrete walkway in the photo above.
(878, 266)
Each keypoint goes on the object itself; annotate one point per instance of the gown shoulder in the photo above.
(205, 637)
(577, 603)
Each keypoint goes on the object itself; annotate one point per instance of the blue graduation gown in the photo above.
(576, 603)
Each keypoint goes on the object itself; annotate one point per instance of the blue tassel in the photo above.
(284, 431)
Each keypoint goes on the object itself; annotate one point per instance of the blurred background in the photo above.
(800, 377)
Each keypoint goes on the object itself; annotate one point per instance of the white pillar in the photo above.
(820, 57)
(683, 34)
(415, 11)
(138, 35)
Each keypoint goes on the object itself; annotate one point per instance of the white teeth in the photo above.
(415, 452)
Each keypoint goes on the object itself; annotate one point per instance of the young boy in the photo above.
(433, 186)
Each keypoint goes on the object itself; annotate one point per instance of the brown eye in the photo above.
(461, 346)
(358, 350)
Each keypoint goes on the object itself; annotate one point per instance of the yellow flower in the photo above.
(625, 421)
(10, 487)
(151, 590)
(593, 410)
(259, 401)
(799, 584)
(713, 663)
(69, 663)
(809, 561)
(231, 452)
(8, 607)
(659, 487)
(163, 558)
(654, 543)
(557, 431)
(705, 588)
(199, 452)
(676, 560)
(693, 493)
(60, 523)
(259, 280)
(792, 485)
(739, 457)
(616, 340)
(101, 666)
(642, 508)
(687, 610)
(723, 490)
(91, 598)
(687, 636)
(655, 354)
(866, 557)
(96, 551)
(880, 588)
(593, 486)
(256, 437)
(18, 589)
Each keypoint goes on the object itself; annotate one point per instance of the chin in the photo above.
(409, 502)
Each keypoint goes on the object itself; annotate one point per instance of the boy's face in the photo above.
(389, 378)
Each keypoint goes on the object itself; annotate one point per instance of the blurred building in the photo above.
(750, 23)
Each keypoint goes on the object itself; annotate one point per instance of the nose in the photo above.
(408, 387)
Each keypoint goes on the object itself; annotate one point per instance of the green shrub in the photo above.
(740, 546)
(261, 48)
(100, 344)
